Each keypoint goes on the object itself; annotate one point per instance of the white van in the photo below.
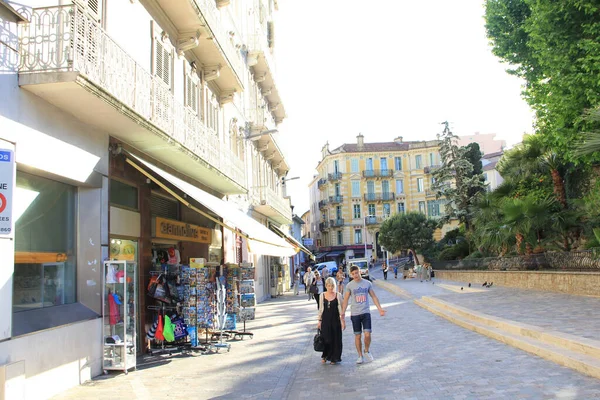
(331, 266)
(363, 267)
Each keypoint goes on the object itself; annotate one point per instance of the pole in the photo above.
(365, 238)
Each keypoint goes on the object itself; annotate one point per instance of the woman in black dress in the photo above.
(331, 322)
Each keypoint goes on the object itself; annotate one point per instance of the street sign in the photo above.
(7, 176)
(307, 242)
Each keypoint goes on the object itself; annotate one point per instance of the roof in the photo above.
(377, 147)
(492, 155)
(491, 166)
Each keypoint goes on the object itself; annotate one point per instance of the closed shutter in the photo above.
(191, 88)
(162, 207)
(163, 56)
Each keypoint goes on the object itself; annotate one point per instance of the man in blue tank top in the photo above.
(357, 293)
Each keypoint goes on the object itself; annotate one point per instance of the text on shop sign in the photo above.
(170, 229)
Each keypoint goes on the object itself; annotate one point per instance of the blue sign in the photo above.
(5, 155)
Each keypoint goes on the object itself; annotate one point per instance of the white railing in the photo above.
(270, 197)
(210, 12)
(66, 39)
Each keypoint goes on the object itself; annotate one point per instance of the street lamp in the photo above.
(365, 229)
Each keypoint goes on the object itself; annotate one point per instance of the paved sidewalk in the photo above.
(576, 315)
(417, 356)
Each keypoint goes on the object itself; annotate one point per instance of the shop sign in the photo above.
(308, 242)
(7, 176)
(177, 230)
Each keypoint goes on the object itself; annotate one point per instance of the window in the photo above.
(124, 195)
(422, 207)
(420, 185)
(340, 238)
(212, 111)
(431, 159)
(398, 163)
(355, 188)
(401, 209)
(371, 210)
(383, 164)
(418, 162)
(163, 56)
(399, 186)
(354, 165)
(357, 236)
(338, 212)
(385, 187)
(369, 164)
(370, 187)
(190, 89)
(433, 208)
(45, 243)
(337, 189)
(432, 181)
(356, 211)
(336, 166)
(386, 210)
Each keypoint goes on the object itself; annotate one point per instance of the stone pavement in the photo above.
(417, 356)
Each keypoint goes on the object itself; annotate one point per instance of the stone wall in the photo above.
(577, 283)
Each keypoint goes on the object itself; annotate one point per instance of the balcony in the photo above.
(336, 199)
(267, 145)
(323, 226)
(260, 117)
(69, 61)
(430, 169)
(321, 183)
(430, 193)
(334, 223)
(322, 204)
(336, 176)
(272, 205)
(216, 50)
(260, 59)
(378, 173)
(379, 197)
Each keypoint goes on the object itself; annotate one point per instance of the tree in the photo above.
(411, 231)
(553, 46)
(456, 180)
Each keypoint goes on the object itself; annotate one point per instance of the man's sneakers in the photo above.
(359, 360)
(368, 356)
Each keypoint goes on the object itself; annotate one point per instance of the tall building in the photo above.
(361, 184)
(137, 127)
(487, 142)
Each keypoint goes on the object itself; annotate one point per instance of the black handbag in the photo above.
(313, 289)
(318, 342)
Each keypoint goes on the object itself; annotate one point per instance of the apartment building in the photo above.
(361, 184)
(125, 117)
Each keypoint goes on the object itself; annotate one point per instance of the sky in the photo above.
(386, 68)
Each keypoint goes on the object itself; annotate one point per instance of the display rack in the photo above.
(119, 322)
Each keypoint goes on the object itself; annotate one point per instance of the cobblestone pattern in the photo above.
(417, 356)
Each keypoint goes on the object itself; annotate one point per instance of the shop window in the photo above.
(45, 256)
(124, 195)
(163, 207)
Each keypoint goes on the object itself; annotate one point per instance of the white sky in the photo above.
(386, 68)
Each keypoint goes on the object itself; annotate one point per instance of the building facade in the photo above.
(491, 175)
(487, 142)
(125, 117)
(362, 184)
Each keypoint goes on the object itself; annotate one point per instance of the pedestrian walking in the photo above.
(309, 277)
(396, 271)
(357, 294)
(317, 287)
(384, 268)
(331, 323)
(340, 281)
(296, 281)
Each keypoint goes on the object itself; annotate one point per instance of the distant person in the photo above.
(331, 323)
(357, 293)
(384, 268)
(309, 277)
(317, 287)
(339, 277)
(395, 271)
(296, 281)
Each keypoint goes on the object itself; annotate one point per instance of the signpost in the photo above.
(7, 178)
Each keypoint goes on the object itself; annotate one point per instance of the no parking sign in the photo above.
(7, 176)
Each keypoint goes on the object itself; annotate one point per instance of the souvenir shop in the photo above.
(167, 286)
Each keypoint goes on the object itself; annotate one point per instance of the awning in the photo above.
(292, 240)
(321, 255)
(335, 253)
(260, 239)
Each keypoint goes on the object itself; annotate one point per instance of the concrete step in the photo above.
(578, 344)
(583, 362)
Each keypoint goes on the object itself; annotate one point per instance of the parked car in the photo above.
(363, 266)
(331, 266)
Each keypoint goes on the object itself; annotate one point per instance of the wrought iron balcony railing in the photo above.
(336, 176)
(336, 222)
(322, 204)
(67, 39)
(336, 199)
(322, 182)
(323, 226)
(431, 168)
(377, 173)
(379, 196)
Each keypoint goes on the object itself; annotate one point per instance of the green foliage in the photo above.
(458, 251)
(554, 47)
(456, 180)
(409, 231)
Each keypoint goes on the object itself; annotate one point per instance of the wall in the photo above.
(75, 357)
(577, 283)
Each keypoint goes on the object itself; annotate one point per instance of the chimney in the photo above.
(398, 139)
(325, 150)
(360, 141)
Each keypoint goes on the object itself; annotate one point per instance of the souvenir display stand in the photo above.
(119, 294)
(247, 297)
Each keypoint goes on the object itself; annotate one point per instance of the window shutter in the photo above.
(191, 88)
(162, 56)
